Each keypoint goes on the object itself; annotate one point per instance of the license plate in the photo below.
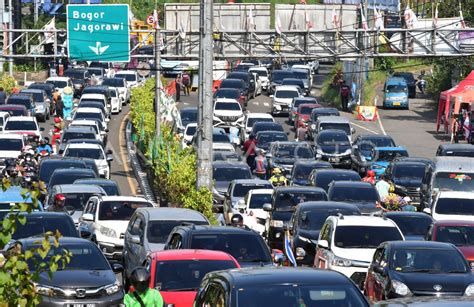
(80, 305)
(396, 103)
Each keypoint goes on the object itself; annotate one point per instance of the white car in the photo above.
(250, 119)
(262, 73)
(10, 147)
(132, 78)
(105, 220)
(251, 208)
(96, 98)
(347, 243)
(223, 147)
(94, 125)
(23, 125)
(122, 87)
(227, 113)
(453, 205)
(115, 101)
(283, 97)
(91, 114)
(3, 118)
(306, 68)
(60, 83)
(188, 134)
(91, 151)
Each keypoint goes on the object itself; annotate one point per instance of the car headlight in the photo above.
(470, 289)
(313, 126)
(276, 223)
(43, 290)
(300, 252)
(114, 288)
(338, 261)
(108, 232)
(401, 289)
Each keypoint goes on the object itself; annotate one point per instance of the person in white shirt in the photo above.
(383, 187)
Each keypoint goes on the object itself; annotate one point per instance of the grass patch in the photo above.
(376, 78)
(412, 65)
(329, 93)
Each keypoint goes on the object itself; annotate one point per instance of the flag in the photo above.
(378, 20)
(410, 18)
(335, 21)
(251, 21)
(288, 250)
(308, 22)
(364, 21)
(463, 24)
(182, 30)
(278, 24)
(156, 23)
(50, 27)
(435, 19)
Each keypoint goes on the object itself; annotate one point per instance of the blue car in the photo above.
(382, 156)
(395, 93)
(13, 196)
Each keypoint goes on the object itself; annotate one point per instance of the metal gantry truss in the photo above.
(288, 44)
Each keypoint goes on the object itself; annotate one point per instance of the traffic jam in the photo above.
(311, 213)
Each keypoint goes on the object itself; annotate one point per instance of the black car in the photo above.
(25, 100)
(257, 287)
(362, 150)
(362, 194)
(248, 78)
(302, 169)
(283, 155)
(297, 82)
(226, 156)
(408, 177)
(69, 175)
(47, 87)
(110, 187)
(265, 138)
(230, 93)
(426, 161)
(40, 222)
(418, 268)
(87, 280)
(455, 150)
(284, 202)
(306, 224)
(80, 79)
(427, 301)
(334, 146)
(223, 173)
(188, 115)
(323, 177)
(410, 80)
(76, 132)
(49, 165)
(313, 119)
(265, 126)
(245, 245)
(277, 77)
(236, 84)
(413, 225)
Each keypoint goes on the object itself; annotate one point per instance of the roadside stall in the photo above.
(462, 116)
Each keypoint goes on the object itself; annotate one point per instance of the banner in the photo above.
(366, 113)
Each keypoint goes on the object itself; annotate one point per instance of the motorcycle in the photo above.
(422, 85)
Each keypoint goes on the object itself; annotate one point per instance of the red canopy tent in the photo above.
(444, 107)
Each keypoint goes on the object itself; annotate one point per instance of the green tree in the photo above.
(20, 269)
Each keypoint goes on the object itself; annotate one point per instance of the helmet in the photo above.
(237, 220)
(277, 170)
(57, 120)
(371, 173)
(140, 279)
(59, 197)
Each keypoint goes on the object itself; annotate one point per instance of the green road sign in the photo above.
(98, 32)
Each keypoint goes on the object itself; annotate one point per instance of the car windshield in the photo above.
(62, 178)
(324, 179)
(364, 236)
(24, 125)
(314, 219)
(376, 142)
(389, 155)
(44, 87)
(302, 171)
(241, 189)
(356, 194)
(189, 116)
(88, 115)
(462, 182)
(306, 110)
(429, 260)
(79, 124)
(293, 294)
(406, 76)
(47, 168)
(300, 75)
(455, 206)
(37, 96)
(20, 101)
(186, 275)
(287, 201)
(231, 173)
(77, 200)
(85, 257)
(278, 76)
(77, 135)
(39, 225)
(396, 88)
(14, 111)
(128, 77)
(191, 130)
(293, 151)
(457, 235)
(74, 74)
(119, 210)
(232, 84)
(292, 82)
(58, 84)
(227, 93)
(260, 73)
(220, 138)
(258, 200)
(91, 153)
(114, 82)
(11, 145)
(95, 71)
(158, 231)
(459, 153)
(227, 106)
(110, 190)
(336, 126)
(405, 171)
(298, 102)
(271, 137)
(322, 113)
(243, 247)
(333, 139)
(253, 120)
(266, 127)
(286, 94)
(412, 225)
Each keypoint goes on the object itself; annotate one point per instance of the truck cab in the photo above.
(395, 93)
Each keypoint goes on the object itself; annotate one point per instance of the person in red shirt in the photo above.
(370, 177)
(249, 149)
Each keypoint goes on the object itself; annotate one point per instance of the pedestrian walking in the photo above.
(186, 83)
(261, 164)
(59, 106)
(345, 93)
(3, 96)
(178, 84)
(249, 149)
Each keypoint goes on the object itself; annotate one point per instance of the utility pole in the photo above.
(204, 131)
(363, 60)
(10, 37)
(157, 81)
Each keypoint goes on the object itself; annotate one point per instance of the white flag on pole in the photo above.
(278, 24)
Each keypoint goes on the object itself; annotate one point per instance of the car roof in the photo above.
(229, 164)
(456, 194)
(32, 90)
(294, 189)
(259, 133)
(233, 80)
(363, 220)
(312, 163)
(79, 188)
(62, 240)
(58, 79)
(188, 109)
(395, 80)
(88, 110)
(11, 136)
(352, 184)
(212, 229)
(80, 128)
(309, 105)
(450, 146)
(325, 171)
(22, 118)
(333, 119)
(408, 163)
(286, 88)
(420, 244)
(332, 131)
(407, 214)
(84, 145)
(259, 115)
(390, 148)
(375, 136)
(190, 254)
(453, 223)
(312, 99)
(166, 214)
(261, 191)
(454, 164)
(98, 181)
(296, 143)
(277, 275)
(129, 72)
(125, 198)
(255, 181)
(83, 122)
(61, 171)
(327, 205)
(226, 100)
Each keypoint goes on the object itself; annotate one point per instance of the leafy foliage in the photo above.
(8, 83)
(20, 269)
(329, 92)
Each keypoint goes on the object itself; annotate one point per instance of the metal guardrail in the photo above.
(140, 175)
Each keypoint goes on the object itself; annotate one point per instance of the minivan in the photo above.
(395, 93)
(335, 122)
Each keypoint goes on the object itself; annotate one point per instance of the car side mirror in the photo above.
(88, 217)
(241, 205)
(378, 269)
(271, 96)
(267, 207)
(117, 267)
(427, 211)
(353, 130)
(135, 239)
(323, 244)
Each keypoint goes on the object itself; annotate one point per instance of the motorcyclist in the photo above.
(421, 82)
(237, 220)
(44, 147)
(58, 205)
(143, 296)
(278, 180)
(12, 174)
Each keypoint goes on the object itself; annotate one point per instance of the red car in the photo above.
(459, 233)
(303, 114)
(177, 274)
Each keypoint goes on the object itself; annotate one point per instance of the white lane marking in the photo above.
(364, 128)
(266, 104)
(380, 123)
